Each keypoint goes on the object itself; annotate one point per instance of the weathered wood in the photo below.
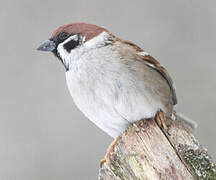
(145, 151)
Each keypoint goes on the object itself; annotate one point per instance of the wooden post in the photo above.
(146, 151)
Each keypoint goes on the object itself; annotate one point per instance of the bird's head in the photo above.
(67, 39)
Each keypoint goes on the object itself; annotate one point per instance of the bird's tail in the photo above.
(192, 124)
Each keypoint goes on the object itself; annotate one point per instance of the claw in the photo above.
(102, 162)
(161, 120)
(110, 151)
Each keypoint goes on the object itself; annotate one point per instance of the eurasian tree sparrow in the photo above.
(112, 81)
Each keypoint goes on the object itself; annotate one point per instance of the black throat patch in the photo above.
(73, 43)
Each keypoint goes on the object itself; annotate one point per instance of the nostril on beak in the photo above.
(48, 45)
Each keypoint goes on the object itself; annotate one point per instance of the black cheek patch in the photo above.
(71, 45)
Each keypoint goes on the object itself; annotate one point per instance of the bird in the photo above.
(112, 81)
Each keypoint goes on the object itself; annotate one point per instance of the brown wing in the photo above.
(151, 62)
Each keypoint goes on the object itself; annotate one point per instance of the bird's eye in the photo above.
(63, 35)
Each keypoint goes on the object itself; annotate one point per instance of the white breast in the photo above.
(111, 93)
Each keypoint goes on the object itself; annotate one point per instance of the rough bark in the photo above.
(146, 151)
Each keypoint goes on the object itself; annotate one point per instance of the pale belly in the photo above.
(112, 104)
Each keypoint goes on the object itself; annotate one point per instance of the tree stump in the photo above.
(146, 151)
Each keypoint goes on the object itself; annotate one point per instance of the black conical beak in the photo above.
(48, 45)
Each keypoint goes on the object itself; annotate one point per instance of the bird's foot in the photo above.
(110, 150)
(161, 119)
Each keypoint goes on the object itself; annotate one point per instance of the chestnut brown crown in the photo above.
(85, 30)
(89, 31)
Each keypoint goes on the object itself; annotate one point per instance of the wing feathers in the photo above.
(150, 61)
